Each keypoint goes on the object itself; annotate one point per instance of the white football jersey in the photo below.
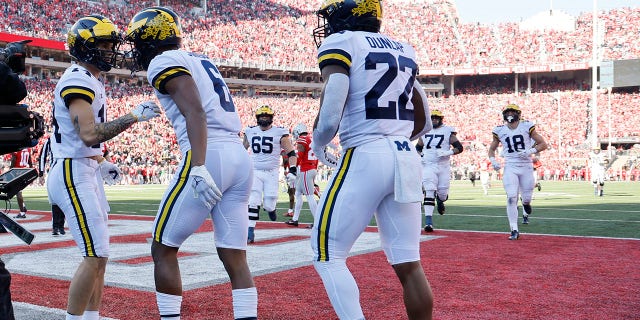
(382, 72)
(597, 160)
(223, 121)
(437, 140)
(515, 140)
(76, 83)
(265, 146)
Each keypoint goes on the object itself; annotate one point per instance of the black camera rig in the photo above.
(14, 55)
(19, 128)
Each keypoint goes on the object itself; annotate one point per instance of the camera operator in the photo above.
(12, 91)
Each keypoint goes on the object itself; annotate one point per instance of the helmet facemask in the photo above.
(436, 121)
(140, 55)
(107, 59)
(264, 122)
(511, 115)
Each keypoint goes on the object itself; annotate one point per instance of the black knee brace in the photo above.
(429, 202)
(254, 213)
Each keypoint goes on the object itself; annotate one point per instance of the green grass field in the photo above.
(561, 208)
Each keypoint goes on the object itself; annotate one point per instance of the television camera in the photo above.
(19, 129)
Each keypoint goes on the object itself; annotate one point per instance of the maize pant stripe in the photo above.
(327, 208)
(81, 218)
(170, 201)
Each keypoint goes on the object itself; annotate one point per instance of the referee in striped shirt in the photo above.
(56, 213)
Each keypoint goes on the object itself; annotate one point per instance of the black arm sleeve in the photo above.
(458, 146)
(12, 89)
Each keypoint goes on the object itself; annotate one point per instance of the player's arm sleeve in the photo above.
(334, 97)
(421, 109)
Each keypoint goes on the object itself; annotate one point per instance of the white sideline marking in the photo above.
(26, 311)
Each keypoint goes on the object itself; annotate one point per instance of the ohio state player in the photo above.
(307, 163)
(21, 159)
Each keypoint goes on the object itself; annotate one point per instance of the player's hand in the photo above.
(291, 177)
(110, 173)
(328, 159)
(444, 153)
(204, 188)
(495, 164)
(526, 154)
(145, 111)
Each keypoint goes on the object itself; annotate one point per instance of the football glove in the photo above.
(146, 111)
(326, 158)
(526, 154)
(204, 188)
(444, 153)
(110, 173)
(495, 163)
(291, 177)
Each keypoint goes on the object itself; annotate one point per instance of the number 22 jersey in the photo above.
(382, 72)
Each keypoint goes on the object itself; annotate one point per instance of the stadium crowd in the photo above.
(278, 33)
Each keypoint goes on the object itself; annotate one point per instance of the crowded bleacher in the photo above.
(278, 33)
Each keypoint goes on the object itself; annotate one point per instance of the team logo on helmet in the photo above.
(148, 31)
(264, 111)
(86, 35)
(355, 15)
(511, 117)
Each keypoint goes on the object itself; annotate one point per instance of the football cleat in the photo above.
(428, 228)
(55, 232)
(292, 222)
(525, 219)
(527, 208)
(539, 186)
(440, 205)
(21, 215)
(514, 235)
(272, 215)
(61, 230)
(251, 237)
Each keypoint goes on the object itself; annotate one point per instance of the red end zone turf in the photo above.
(473, 276)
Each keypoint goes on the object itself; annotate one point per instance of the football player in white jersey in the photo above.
(519, 140)
(78, 170)
(597, 164)
(215, 174)
(266, 142)
(372, 100)
(436, 150)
